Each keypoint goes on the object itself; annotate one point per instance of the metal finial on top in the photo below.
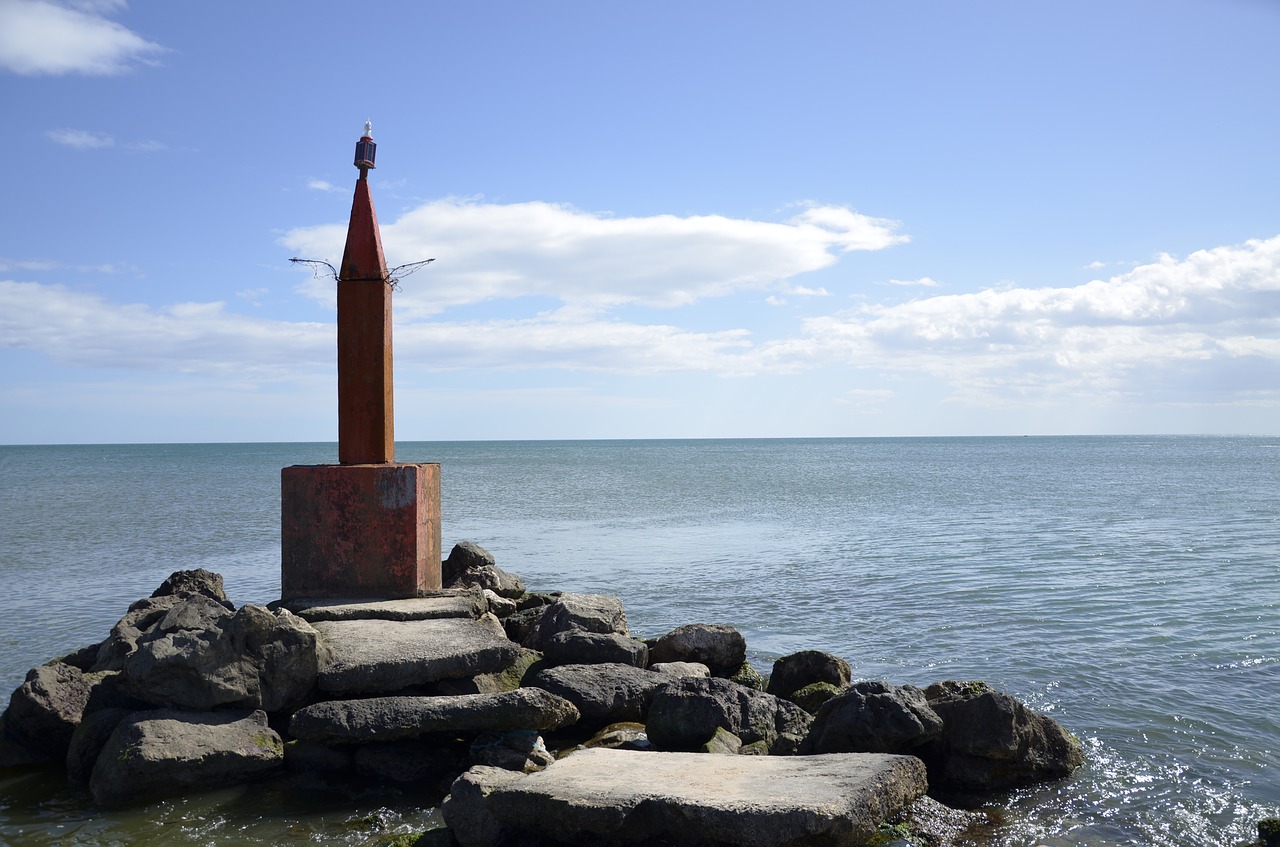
(368, 129)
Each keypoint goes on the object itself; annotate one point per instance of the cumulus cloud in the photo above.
(41, 37)
(80, 139)
(321, 185)
(922, 282)
(490, 251)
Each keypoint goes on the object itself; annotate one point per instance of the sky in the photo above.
(657, 220)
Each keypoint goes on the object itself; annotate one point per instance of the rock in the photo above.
(721, 648)
(685, 713)
(184, 584)
(137, 621)
(521, 624)
(681, 669)
(624, 735)
(309, 757)
(201, 656)
(375, 656)
(929, 822)
(83, 659)
(793, 672)
(576, 647)
(749, 677)
(682, 800)
(755, 748)
(723, 742)
(515, 750)
(873, 717)
(457, 603)
(508, 679)
(1269, 832)
(88, 740)
(586, 612)
(465, 809)
(392, 718)
(990, 741)
(44, 710)
(15, 755)
(471, 564)
(499, 605)
(167, 752)
(812, 696)
(410, 761)
(603, 694)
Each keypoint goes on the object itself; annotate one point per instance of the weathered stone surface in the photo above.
(15, 755)
(471, 564)
(201, 656)
(183, 584)
(410, 761)
(624, 735)
(793, 672)
(138, 620)
(446, 603)
(615, 797)
(749, 677)
(723, 742)
(44, 710)
(680, 669)
(310, 757)
(521, 624)
(391, 718)
(873, 717)
(371, 657)
(990, 741)
(516, 750)
(499, 605)
(587, 612)
(602, 693)
(685, 713)
(931, 823)
(812, 696)
(721, 648)
(167, 752)
(465, 809)
(88, 740)
(576, 647)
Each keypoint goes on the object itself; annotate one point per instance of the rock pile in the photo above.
(476, 685)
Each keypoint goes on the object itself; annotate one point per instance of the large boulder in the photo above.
(393, 718)
(991, 741)
(184, 584)
(685, 713)
(44, 711)
(576, 647)
(167, 752)
(616, 797)
(603, 694)
(718, 646)
(471, 564)
(201, 656)
(797, 670)
(410, 761)
(873, 717)
(137, 621)
(585, 612)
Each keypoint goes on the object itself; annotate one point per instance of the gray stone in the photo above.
(723, 742)
(812, 696)
(471, 564)
(795, 671)
(449, 603)
(44, 710)
(392, 718)
(685, 713)
(310, 757)
(89, 739)
(721, 648)
(465, 810)
(748, 676)
(602, 693)
(499, 605)
(990, 741)
(410, 761)
(681, 669)
(576, 647)
(624, 735)
(516, 750)
(199, 581)
(167, 752)
(137, 621)
(372, 657)
(930, 822)
(586, 612)
(201, 656)
(617, 797)
(521, 624)
(873, 717)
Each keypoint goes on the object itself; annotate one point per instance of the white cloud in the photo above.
(922, 282)
(488, 251)
(80, 139)
(321, 185)
(41, 37)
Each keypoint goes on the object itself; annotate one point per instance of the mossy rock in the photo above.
(1269, 832)
(723, 742)
(814, 695)
(750, 677)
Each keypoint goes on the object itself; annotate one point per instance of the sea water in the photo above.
(1126, 586)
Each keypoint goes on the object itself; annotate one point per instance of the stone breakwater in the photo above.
(540, 714)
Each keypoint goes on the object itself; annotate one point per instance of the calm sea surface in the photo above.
(1125, 585)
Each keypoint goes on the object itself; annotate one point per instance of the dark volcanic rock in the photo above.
(89, 739)
(721, 648)
(392, 718)
(990, 741)
(602, 693)
(586, 612)
(167, 752)
(873, 717)
(685, 713)
(44, 710)
(793, 672)
(183, 584)
(471, 564)
(576, 647)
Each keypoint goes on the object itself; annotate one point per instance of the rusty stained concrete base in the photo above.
(359, 531)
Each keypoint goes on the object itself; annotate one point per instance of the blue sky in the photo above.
(648, 220)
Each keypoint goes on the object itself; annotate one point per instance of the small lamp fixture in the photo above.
(366, 149)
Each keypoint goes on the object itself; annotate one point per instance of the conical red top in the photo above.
(362, 258)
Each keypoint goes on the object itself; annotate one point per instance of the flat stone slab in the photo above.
(395, 718)
(449, 603)
(603, 796)
(380, 656)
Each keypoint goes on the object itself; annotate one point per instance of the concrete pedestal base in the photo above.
(359, 531)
